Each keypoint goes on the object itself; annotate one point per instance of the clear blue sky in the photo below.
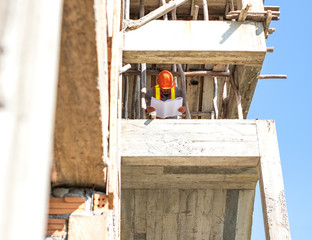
(288, 102)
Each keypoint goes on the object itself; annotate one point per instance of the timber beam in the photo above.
(184, 42)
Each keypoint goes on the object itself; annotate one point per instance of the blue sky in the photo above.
(288, 103)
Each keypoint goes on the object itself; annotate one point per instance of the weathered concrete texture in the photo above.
(78, 136)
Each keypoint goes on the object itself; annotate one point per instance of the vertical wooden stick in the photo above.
(188, 114)
(196, 10)
(205, 8)
(163, 3)
(238, 98)
(215, 97)
(126, 97)
(143, 90)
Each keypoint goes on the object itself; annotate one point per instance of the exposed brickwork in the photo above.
(66, 205)
(74, 203)
(56, 227)
(100, 202)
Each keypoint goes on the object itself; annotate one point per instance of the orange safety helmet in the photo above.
(165, 80)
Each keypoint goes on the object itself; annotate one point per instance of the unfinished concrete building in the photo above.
(80, 76)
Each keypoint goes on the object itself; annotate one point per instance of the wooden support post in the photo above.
(192, 8)
(215, 97)
(101, 45)
(143, 90)
(238, 98)
(196, 10)
(127, 9)
(138, 94)
(224, 101)
(29, 40)
(183, 80)
(271, 184)
(243, 14)
(124, 68)
(174, 66)
(114, 187)
(267, 23)
(126, 97)
(205, 8)
(165, 15)
(155, 14)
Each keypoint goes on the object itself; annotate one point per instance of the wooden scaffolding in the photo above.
(191, 178)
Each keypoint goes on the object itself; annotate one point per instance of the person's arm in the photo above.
(148, 98)
(179, 94)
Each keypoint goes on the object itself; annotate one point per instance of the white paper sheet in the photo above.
(167, 108)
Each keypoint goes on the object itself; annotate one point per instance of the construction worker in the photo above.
(164, 90)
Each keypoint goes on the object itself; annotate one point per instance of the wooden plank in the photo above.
(78, 149)
(196, 161)
(103, 78)
(189, 138)
(127, 214)
(229, 230)
(140, 201)
(29, 40)
(271, 183)
(193, 91)
(154, 214)
(190, 218)
(244, 214)
(207, 104)
(217, 214)
(203, 218)
(87, 227)
(171, 209)
(189, 185)
(188, 45)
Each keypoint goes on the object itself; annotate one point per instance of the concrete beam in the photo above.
(198, 42)
(189, 154)
(271, 184)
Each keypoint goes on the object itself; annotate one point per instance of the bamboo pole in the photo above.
(184, 93)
